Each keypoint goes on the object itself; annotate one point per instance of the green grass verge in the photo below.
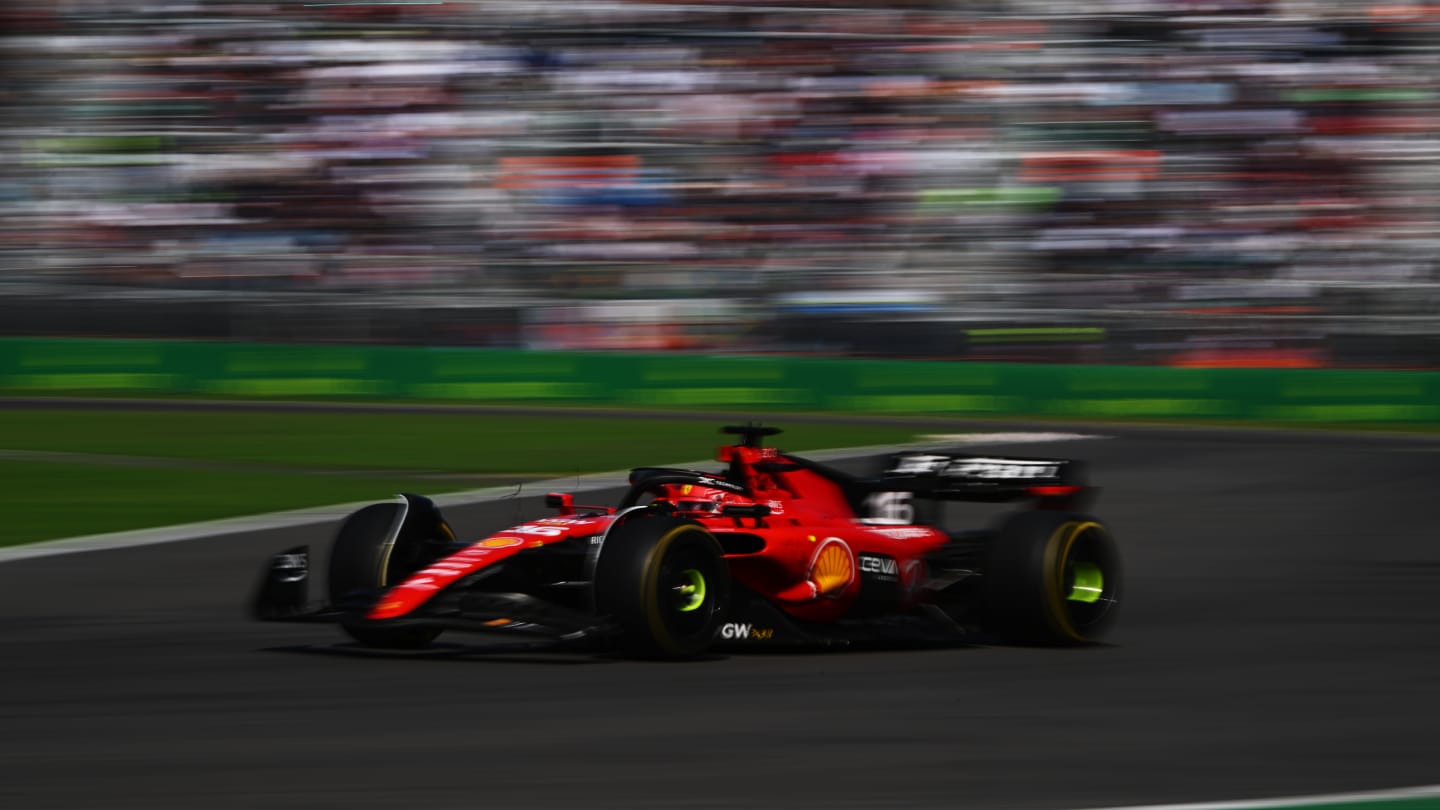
(133, 469)
(46, 501)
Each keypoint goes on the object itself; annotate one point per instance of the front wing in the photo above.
(282, 596)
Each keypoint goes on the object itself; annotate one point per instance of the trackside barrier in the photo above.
(772, 383)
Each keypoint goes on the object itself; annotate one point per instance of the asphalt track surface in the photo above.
(1280, 636)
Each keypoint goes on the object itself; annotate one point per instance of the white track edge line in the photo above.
(1396, 794)
(323, 514)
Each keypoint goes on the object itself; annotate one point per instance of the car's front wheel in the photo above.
(666, 585)
(376, 548)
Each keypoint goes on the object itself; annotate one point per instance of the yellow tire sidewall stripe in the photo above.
(1057, 553)
(650, 586)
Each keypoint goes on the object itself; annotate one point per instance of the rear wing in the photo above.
(911, 485)
(910, 481)
(980, 478)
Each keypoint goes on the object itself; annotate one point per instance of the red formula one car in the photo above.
(774, 550)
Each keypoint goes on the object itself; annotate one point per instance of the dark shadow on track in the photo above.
(491, 653)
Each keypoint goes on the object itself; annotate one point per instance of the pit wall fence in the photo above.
(684, 381)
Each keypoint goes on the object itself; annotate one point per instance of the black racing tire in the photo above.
(666, 584)
(1051, 578)
(361, 565)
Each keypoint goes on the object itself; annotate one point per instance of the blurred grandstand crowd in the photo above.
(1157, 181)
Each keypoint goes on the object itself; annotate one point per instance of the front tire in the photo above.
(365, 561)
(666, 584)
(1051, 578)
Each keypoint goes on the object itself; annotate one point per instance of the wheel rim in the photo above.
(687, 588)
(1090, 581)
(690, 592)
(1087, 583)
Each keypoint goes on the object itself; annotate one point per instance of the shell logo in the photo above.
(502, 542)
(833, 568)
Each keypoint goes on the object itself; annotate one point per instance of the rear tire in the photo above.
(666, 584)
(1051, 578)
(362, 564)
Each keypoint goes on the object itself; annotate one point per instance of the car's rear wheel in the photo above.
(1051, 578)
(666, 585)
(376, 548)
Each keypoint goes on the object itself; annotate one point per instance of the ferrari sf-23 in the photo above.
(774, 549)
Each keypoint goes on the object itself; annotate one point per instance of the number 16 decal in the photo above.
(891, 507)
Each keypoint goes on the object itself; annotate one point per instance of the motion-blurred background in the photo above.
(1181, 182)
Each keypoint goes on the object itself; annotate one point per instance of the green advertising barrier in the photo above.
(771, 383)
